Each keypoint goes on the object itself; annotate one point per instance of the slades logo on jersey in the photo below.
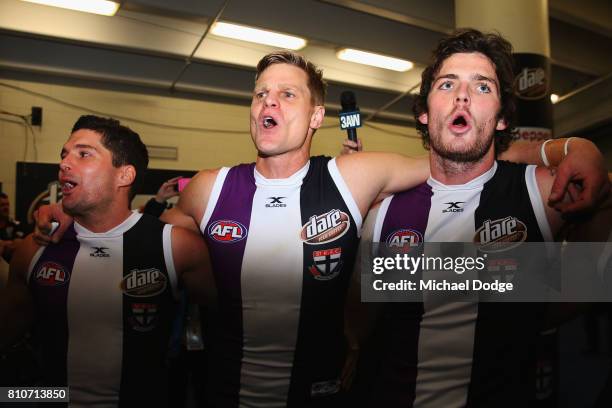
(227, 231)
(144, 282)
(404, 239)
(275, 202)
(501, 234)
(453, 207)
(324, 228)
(100, 252)
(327, 263)
(52, 274)
(144, 316)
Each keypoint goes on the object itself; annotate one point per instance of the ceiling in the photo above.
(147, 46)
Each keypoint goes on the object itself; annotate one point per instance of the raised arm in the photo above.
(372, 176)
(578, 160)
(192, 202)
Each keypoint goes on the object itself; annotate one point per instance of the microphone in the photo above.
(350, 118)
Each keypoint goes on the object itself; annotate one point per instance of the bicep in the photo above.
(193, 266)
(371, 176)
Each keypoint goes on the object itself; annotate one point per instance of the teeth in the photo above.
(68, 184)
(268, 122)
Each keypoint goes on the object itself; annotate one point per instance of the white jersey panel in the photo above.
(272, 264)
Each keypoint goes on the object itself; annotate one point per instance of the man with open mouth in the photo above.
(103, 300)
(282, 233)
(435, 351)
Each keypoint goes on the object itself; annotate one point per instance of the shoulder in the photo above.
(24, 252)
(188, 247)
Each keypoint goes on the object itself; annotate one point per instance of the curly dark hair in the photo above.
(494, 47)
(124, 144)
(316, 83)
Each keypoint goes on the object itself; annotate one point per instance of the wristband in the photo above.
(566, 145)
(543, 153)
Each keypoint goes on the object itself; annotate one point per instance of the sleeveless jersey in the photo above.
(104, 306)
(282, 252)
(461, 354)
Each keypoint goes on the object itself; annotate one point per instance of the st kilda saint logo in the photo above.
(327, 263)
(51, 274)
(404, 240)
(144, 283)
(324, 228)
(144, 316)
(227, 231)
(501, 234)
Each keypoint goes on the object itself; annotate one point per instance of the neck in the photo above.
(104, 219)
(282, 166)
(4, 221)
(452, 172)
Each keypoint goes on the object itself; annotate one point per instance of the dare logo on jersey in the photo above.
(51, 274)
(144, 282)
(144, 316)
(404, 240)
(327, 263)
(501, 234)
(227, 231)
(324, 228)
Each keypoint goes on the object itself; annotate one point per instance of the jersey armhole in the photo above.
(536, 202)
(345, 193)
(380, 218)
(213, 198)
(33, 262)
(169, 260)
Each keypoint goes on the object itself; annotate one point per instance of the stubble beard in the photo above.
(467, 155)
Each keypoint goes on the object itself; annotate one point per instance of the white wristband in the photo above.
(543, 153)
(566, 145)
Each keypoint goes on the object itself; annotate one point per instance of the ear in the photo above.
(316, 120)
(423, 118)
(501, 124)
(126, 176)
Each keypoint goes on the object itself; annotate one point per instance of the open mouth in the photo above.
(460, 121)
(268, 122)
(68, 186)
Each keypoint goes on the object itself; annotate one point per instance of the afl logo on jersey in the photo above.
(144, 282)
(404, 239)
(51, 274)
(501, 234)
(324, 228)
(227, 231)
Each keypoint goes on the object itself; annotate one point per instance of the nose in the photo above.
(271, 100)
(462, 95)
(64, 165)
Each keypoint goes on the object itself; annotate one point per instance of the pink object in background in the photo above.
(182, 182)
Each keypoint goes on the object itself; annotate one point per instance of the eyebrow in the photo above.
(475, 77)
(78, 146)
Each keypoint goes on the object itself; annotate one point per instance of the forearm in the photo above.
(555, 150)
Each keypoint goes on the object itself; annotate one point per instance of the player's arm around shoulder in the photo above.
(16, 307)
(372, 176)
(192, 264)
(192, 202)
